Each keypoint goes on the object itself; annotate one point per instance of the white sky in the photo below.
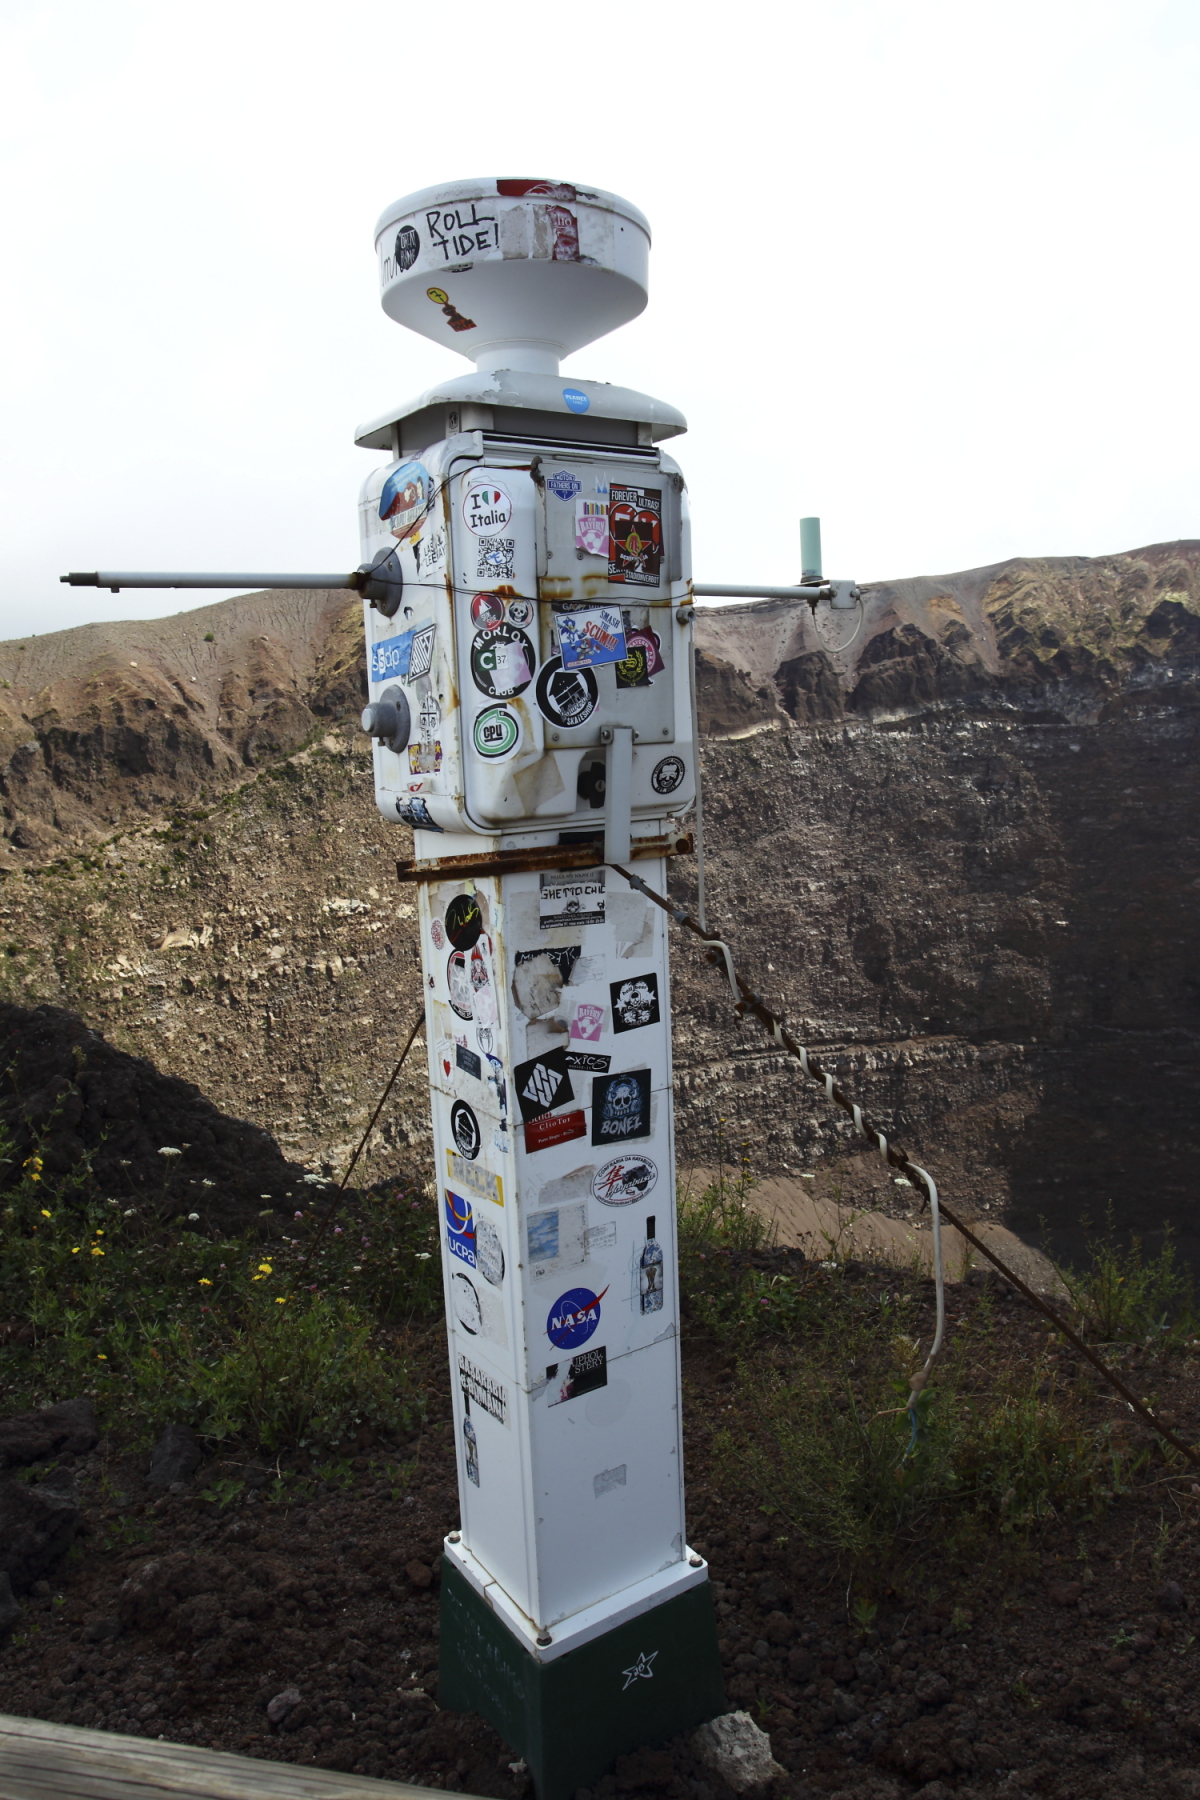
(927, 269)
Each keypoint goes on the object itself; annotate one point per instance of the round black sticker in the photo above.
(465, 1127)
(464, 921)
(502, 661)
(667, 775)
(567, 697)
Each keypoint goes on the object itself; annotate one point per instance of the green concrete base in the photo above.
(638, 1684)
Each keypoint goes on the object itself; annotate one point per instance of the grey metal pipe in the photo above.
(706, 592)
(135, 578)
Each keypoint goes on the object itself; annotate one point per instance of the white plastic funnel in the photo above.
(513, 274)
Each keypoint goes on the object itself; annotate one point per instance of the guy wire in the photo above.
(748, 1001)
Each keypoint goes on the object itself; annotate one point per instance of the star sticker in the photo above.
(641, 1669)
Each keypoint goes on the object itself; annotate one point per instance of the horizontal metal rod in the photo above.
(703, 591)
(135, 578)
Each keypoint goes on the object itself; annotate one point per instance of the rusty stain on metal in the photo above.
(526, 860)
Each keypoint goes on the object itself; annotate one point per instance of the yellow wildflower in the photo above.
(204, 1281)
(264, 1269)
(45, 1214)
(96, 1251)
(74, 1249)
(100, 1356)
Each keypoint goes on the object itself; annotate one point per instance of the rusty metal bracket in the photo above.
(537, 856)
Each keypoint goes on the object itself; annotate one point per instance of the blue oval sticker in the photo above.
(575, 399)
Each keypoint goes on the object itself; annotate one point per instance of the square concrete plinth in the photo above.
(638, 1684)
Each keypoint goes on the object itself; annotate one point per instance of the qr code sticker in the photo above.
(495, 558)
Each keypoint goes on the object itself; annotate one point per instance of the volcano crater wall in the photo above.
(962, 858)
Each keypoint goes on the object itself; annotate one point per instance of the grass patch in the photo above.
(232, 1336)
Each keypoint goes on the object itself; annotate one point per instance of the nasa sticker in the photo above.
(625, 1180)
(573, 1318)
(497, 733)
(465, 1127)
(567, 697)
(667, 774)
(486, 508)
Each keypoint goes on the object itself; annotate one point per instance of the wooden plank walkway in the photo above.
(42, 1761)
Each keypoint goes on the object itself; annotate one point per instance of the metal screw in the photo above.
(554, 737)
(697, 1562)
(455, 1537)
(544, 1639)
(666, 731)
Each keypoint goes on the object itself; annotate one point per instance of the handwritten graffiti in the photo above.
(461, 232)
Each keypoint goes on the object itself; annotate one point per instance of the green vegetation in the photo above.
(233, 1336)
(817, 1432)
(1124, 1296)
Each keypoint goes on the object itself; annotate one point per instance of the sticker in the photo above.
(460, 1229)
(486, 508)
(563, 483)
(464, 921)
(542, 1083)
(454, 318)
(549, 190)
(591, 527)
(496, 1081)
(620, 1107)
(429, 716)
(635, 535)
(489, 1256)
(404, 498)
(474, 1180)
(468, 1062)
(421, 658)
(624, 1180)
(416, 814)
(587, 1022)
(563, 956)
(650, 1272)
(604, 1483)
(588, 1062)
(408, 247)
(490, 1395)
(590, 639)
(583, 1375)
(425, 759)
(641, 1670)
(668, 774)
(575, 400)
(487, 610)
(571, 899)
(520, 612)
(557, 1238)
(554, 1128)
(573, 1318)
(495, 560)
(438, 934)
(465, 1127)
(642, 658)
(470, 1448)
(634, 1002)
(465, 1300)
(496, 733)
(458, 981)
(601, 1237)
(567, 697)
(483, 996)
(502, 661)
(403, 657)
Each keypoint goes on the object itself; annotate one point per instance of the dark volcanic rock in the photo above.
(29, 1437)
(175, 1457)
(37, 1527)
